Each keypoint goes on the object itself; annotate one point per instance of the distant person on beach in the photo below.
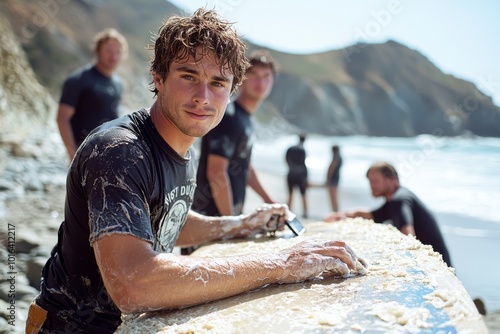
(297, 172)
(225, 167)
(402, 208)
(129, 191)
(333, 177)
(91, 95)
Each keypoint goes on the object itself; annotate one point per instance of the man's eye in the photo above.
(187, 77)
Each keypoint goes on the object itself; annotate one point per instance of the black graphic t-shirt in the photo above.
(95, 97)
(124, 179)
(233, 140)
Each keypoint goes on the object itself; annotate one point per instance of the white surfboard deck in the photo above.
(408, 289)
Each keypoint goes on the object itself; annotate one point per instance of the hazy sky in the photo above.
(462, 38)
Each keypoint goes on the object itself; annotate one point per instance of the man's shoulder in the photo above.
(127, 127)
(232, 124)
(232, 119)
(230, 109)
(403, 192)
(239, 110)
(81, 76)
(117, 143)
(81, 71)
(295, 148)
(403, 196)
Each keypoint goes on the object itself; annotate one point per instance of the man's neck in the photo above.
(178, 141)
(389, 196)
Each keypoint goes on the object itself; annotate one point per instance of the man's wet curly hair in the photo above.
(198, 35)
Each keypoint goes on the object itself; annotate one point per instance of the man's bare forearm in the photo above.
(200, 229)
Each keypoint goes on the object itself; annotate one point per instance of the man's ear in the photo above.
(157, 79)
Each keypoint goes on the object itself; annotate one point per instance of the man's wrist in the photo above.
(231, 224)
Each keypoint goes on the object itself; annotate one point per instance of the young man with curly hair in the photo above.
(129, 193)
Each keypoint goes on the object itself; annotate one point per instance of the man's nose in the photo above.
(202, 94)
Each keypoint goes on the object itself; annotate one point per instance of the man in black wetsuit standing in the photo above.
(402, 207)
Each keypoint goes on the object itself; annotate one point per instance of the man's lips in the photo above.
(200, 114)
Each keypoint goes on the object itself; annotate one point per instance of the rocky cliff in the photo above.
(369, 89)
(380, 90)
(25, 105)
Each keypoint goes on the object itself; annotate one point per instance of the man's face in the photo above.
(109, 55)
(259, 82)
(378, 183)
(194, 95)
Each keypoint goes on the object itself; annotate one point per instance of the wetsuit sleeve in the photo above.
(118, 181)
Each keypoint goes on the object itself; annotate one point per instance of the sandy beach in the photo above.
(469, 266)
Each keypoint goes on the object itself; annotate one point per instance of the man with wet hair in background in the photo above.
(128, 197)
(225, 167)
(91, 95)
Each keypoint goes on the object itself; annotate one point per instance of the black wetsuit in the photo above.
(124, 179)
(297, 169)
(95, 97)
(231, 139)
(405, 208)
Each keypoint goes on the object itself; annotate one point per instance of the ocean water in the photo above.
(457, 178)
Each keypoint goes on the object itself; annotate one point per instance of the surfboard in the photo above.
(408, 289)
